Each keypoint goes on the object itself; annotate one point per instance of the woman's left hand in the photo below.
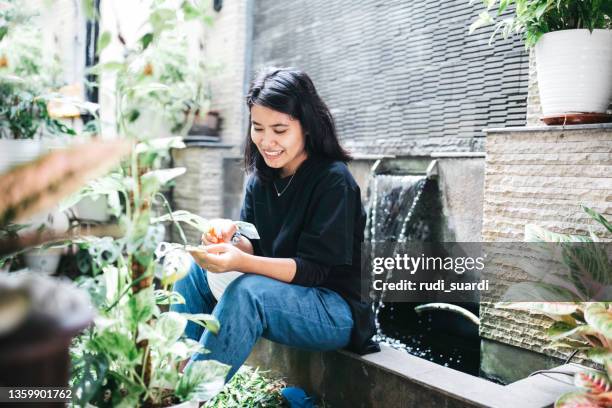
(219, 258)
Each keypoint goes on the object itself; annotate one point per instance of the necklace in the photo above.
(286, 187)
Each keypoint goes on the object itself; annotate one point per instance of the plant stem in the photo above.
(174, 222)
(126, 290)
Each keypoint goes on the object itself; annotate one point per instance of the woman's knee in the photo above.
(195, 277)
(249, 286)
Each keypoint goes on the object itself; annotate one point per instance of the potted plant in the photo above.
(131, 355)
(40, 314)
(573, 51)
(581, 322)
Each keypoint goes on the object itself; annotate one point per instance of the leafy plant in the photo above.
(27, 77)
(578, 324)
(160, 74)
(532, 18)
(131, 356)
(250, 388)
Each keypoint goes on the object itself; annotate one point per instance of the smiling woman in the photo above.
(279, 139)
(301, 281)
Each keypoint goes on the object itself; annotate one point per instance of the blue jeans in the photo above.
(252, 305)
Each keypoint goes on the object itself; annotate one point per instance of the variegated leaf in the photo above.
(595, 382)
(600, 318)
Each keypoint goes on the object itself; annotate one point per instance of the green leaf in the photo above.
(540, 10)
(559, 328)
(576, 400)
(138, 91)
(117, 346)
(600, 355)
(103, 41)
(571, 344)
(166, 297)
(600, 318)
(484, 19)
(3, 32)
(160, 144)
(109, 66)
(593, 381)
(208, 321)
(555, 332)
(153, 180)
(202, 380)
(606, 8)
(89, 371)
(597, 216)
(199, 223)
(89, 9)
(111, 283)
(189, 11)
(146, 40)
(489, 3)
(503, 5)
(162, 19)
(171, 325)
(141, 307)
(534, 233)
(175, 267)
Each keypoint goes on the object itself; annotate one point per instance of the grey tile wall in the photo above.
(401, 77)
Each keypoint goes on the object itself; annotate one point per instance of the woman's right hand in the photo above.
(221, 230)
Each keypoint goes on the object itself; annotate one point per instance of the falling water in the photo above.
(393, 200)
(403, 209)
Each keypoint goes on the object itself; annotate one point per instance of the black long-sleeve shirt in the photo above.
(318, 221)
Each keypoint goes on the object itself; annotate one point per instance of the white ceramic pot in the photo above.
(93, 210)
(15, 152)
(574, 69)
(45, 260)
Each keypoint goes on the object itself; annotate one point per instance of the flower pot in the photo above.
(574, 69)
(45, 260)
(43, 314)
(91, 209)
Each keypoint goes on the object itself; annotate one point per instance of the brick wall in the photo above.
(209, 186)
(402, 77)
(226, 44)
(541, 177)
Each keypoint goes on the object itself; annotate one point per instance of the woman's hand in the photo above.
(221, 230)
(220, 258)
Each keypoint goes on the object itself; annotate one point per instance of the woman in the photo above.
(301, 282)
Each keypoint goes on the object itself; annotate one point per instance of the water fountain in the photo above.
(404, 207)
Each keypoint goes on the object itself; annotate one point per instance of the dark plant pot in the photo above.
(45, 313)
(208, 125)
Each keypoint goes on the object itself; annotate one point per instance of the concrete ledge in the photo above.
(594, 126)
(457, 155)
(216, 145)
(393, 378)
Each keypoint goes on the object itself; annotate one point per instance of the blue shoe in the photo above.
(297, 398)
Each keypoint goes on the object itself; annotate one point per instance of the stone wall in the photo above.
(200, 189)
(213, 182)
(401, 77)
(227, 50)
(541, 176)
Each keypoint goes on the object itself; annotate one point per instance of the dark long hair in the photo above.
(291, 91)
